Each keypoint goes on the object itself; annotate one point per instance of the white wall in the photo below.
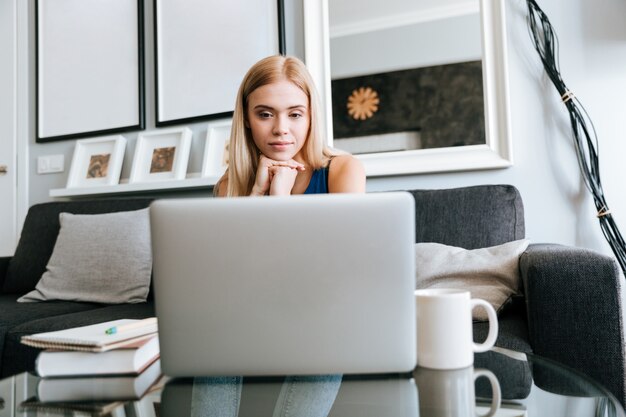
(558, 207)
(8, 126)
(41, 184)
(593, 60)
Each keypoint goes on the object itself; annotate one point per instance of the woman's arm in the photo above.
(346, 175)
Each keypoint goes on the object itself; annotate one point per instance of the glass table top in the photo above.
(501, 383)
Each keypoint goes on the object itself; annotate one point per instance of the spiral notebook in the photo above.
(92, 338)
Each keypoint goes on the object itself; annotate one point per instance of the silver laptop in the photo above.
(313, 284)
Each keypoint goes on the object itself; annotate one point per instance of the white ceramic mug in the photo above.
(452, 393)
(444, 328)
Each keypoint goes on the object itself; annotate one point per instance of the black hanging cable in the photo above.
(585, 137)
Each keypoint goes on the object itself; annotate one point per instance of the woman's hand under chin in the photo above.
(277, 177)
(282, 179)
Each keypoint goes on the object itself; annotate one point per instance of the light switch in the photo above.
(50, 164)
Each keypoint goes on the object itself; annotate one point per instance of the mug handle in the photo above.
(496, 396)
(493, 325)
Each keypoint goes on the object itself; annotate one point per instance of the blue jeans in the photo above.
(300, 396)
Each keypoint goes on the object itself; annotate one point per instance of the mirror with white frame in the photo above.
(375, 41)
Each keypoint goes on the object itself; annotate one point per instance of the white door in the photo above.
(8, 127)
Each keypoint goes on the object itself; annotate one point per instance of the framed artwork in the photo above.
(89, 68)
(97, 162)
(161, 155)
(216, 149)
(410, 109)
(197, 73)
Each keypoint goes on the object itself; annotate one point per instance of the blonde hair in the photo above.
(243, 153)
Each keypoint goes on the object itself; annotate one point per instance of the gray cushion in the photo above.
(469, 217)
(40, 231)
(13, 314)
(101, 258)
(512, 327)
(514, 375)
(491, 274)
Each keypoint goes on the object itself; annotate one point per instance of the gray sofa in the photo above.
(570, 309)
(20, 273)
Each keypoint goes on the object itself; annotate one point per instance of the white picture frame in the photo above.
(161, 155)
(97, 162)
(215, 161)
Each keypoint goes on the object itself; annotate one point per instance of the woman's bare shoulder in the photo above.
(344, 161)
(346, 175)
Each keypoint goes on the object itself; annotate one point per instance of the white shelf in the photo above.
(192, 181)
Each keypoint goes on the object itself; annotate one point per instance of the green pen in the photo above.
(131, 326)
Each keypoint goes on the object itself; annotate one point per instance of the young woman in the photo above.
(276, 144)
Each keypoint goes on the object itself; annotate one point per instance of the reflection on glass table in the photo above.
(501, 383)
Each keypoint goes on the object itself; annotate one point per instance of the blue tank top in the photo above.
(319, 182)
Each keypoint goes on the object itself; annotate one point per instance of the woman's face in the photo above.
(278, 116)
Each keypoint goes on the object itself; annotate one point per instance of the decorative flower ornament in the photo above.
(363, 103)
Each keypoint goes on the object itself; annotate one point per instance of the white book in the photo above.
(131, 358)
(103, 388)
(91, 338)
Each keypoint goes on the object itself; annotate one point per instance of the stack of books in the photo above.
(116, 360)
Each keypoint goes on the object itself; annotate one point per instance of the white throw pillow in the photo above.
(488, 273)
(99, 258)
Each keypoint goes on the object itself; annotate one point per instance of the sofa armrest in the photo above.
(575, 311)
(4, 265)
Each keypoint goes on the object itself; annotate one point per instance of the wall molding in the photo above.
(317, 56)
(404, 19)
(24, 107)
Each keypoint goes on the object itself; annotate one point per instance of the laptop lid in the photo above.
(313, 284)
